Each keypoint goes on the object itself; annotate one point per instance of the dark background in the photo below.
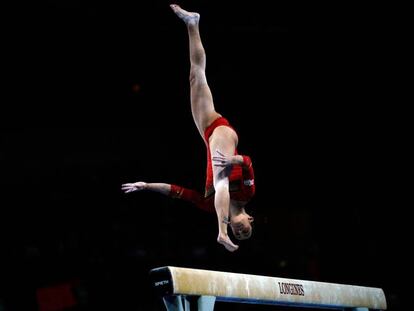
(96, 94)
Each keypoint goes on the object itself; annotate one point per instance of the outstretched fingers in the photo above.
(227, 243)
(127, 188)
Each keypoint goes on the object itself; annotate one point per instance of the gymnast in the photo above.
(230, 181)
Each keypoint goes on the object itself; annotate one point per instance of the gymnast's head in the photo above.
(241, 224)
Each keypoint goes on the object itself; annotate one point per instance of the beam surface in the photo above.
(247, 288)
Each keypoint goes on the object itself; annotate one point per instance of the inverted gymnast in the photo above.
(230, 177)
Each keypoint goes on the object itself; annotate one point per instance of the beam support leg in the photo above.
(206, 303)
(174, 303)
(188, 303)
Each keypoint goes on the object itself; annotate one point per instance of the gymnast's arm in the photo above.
(222, 160)
(142, 185)
(170, 190)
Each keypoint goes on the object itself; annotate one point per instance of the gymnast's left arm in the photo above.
(222, 160)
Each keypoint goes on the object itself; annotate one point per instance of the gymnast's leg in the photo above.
(202, 106)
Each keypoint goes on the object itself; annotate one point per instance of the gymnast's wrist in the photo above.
(237, 159)
(144, 185)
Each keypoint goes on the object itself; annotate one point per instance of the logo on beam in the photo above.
(291, 289)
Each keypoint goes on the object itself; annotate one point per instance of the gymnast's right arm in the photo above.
(141, 185)
(173, 191)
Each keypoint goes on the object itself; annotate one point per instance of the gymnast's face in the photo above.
(241, 226)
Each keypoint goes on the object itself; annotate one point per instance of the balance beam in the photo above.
(182, 288)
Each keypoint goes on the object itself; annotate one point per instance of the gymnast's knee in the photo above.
(197, 75)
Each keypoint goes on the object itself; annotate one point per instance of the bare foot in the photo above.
(190, 18)
(227, 243)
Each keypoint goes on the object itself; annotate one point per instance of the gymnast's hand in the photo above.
(136, 186)
(221, 160)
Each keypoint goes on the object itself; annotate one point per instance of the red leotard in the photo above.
(241, 179)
